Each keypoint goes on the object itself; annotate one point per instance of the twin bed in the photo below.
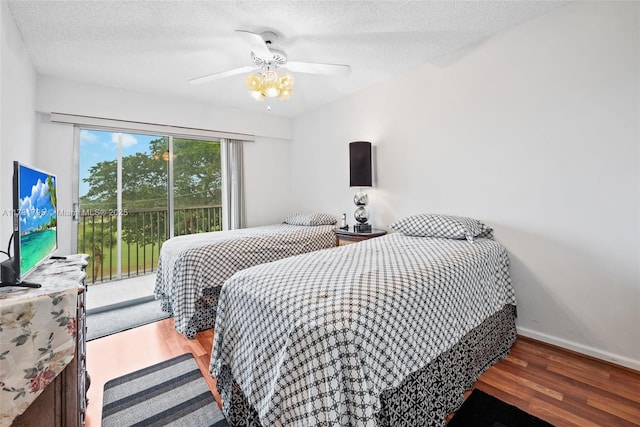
(192, 268)
(389, 331)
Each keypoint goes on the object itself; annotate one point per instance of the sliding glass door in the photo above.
(197, 186)
(137, 190)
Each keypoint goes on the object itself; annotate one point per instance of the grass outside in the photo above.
(147, 226)
(136, 261)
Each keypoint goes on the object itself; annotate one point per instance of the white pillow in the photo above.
(444, 226)
(315, 218)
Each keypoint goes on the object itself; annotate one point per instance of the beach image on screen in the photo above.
(38, 217)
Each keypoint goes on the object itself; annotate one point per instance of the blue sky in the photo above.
(35, 204)
(98, 146)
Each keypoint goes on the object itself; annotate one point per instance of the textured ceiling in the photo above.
(157, 46)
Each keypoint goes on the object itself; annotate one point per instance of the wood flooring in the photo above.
(559, 386)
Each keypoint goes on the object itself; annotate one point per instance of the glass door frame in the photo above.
(170, 181)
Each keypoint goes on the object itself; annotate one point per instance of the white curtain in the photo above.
(233, 215)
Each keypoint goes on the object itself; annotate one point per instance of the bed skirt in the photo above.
(205, 315)
(427, 396)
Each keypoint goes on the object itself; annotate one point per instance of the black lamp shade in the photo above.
(360, 164)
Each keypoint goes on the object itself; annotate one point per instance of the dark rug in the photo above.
(114, 318)
(483, 410)
(172, 392)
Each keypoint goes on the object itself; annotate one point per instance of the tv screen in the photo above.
(37, 217)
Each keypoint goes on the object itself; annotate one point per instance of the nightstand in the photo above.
(344, 237)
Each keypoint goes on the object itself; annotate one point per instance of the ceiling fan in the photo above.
(266, 59)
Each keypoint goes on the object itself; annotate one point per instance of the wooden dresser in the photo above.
(63, 402)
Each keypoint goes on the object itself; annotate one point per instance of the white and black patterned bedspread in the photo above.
(189, 264)
(315, 339)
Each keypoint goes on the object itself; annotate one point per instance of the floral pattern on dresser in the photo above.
(37, 341)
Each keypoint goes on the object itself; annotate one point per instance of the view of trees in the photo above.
(197, 187)
(197, 177)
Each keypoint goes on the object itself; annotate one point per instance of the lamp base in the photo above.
(362, 228)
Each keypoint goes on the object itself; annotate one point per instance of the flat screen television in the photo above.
(35, 220)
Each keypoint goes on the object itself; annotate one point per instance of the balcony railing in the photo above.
(143, 232)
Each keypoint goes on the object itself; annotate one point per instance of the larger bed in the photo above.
(192, 269)
(389, 331)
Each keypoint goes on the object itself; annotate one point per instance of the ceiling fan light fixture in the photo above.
(253, 82)
(286, 81)
(285, 94)
(257, 95)
(264, 81)
(269, 84)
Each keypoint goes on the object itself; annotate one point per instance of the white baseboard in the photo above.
(589, 351)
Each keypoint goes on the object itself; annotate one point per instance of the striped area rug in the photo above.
(170, 393)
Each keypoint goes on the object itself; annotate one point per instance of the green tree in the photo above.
(102, 181)
(197, 169)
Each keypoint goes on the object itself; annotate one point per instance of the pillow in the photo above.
(315, 218)
(486, 232)
(445, 226)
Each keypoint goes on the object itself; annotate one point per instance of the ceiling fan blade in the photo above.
(315, 68)
(257, 43)
(216, 76)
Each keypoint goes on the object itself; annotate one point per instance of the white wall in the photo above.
(17, 114)
(267, 174)
(267, 180)
(534, 131)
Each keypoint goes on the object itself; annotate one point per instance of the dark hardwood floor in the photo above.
(559, 386)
